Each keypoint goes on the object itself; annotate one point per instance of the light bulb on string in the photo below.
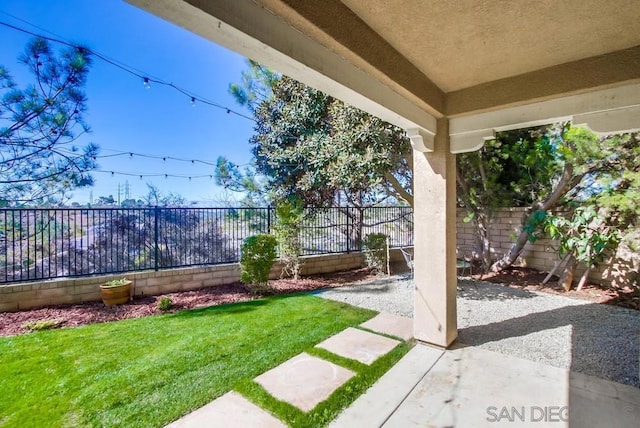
(127, 69)
(193, 101)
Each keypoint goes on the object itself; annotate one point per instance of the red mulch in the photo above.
(11, 323)
(531, 279)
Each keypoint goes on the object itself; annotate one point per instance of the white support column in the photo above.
(434, 211)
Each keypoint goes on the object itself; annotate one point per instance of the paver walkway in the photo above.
(305, 380)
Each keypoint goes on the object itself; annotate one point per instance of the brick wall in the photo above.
(621, 270)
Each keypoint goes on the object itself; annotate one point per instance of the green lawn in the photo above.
(150, 371)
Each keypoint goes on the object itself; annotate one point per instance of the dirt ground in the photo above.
(12, 323)
(531, 279)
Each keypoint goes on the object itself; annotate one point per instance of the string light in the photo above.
(146, 80)
(163, 158)
(152, 175)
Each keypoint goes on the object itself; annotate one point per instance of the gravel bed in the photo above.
(594, 339)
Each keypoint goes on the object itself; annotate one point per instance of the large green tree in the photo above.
(311, 145)
(516, 169)
(545, 169)
(40, 125)
(590, 168)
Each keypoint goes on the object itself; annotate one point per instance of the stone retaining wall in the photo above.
(14, 297)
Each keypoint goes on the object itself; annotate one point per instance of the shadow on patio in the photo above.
(501, 370)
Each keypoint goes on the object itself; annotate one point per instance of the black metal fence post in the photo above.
(268, 218)
(348, 233)
(156, 249)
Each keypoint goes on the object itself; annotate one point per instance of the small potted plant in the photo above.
(116, 291)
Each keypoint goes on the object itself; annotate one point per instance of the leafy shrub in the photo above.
(116, 282)
(289, 215)
(257, 256)
(375, 252)
(164, 303)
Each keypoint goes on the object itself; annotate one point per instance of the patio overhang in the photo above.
(451, 74)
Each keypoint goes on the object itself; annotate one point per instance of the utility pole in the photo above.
(119, 192)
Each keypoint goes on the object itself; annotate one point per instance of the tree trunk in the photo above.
(483, 240)
(583, 279)
(567, 182)
(566, 279)
(555, 267)
(480, 221)
(355, 232)
(396, 188)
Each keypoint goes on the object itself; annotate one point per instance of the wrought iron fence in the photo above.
(51, 243)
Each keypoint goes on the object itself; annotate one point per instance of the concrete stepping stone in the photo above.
(231, 410)
(393, 325)
(358, 345)
(304, 381)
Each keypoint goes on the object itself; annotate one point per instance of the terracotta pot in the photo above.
(116, 294)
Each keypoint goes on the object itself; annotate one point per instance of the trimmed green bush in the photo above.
(164, 303)
(289, 215)
(258, 254)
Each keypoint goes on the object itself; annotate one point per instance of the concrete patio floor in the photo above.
(473, 387)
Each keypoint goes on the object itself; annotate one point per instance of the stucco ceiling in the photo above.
(448, 58)
(463, 43)
(472, 55)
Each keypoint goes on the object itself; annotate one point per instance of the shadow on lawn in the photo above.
(233, 308)
(228, 308)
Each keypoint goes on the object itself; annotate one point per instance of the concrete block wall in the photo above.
(15, 297)
(505, 226)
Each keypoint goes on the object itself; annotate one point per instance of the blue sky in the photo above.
(126, 117)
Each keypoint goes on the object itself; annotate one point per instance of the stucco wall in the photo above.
(620, 270)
